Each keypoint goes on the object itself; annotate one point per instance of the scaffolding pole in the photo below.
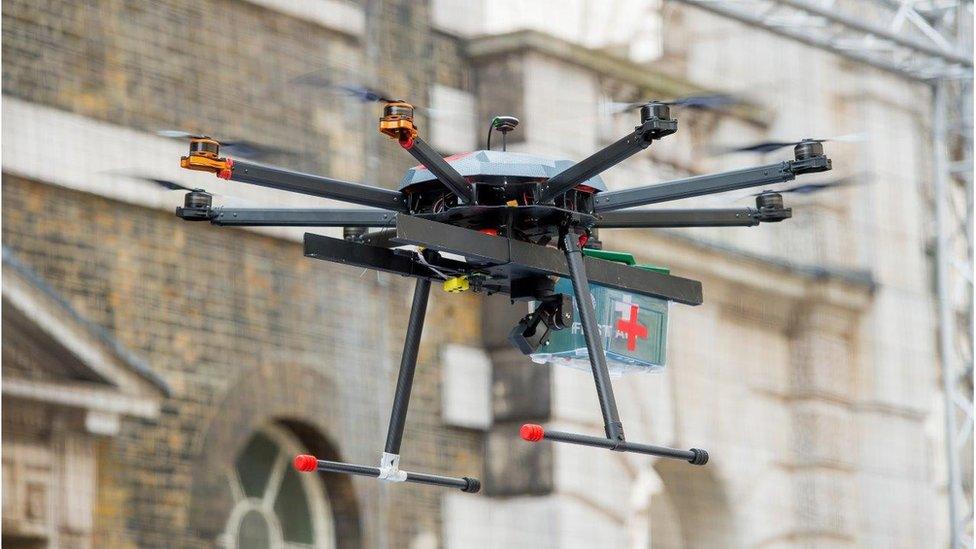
(928, 42)
(946, 311)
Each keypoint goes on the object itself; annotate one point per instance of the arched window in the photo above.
(275, 506)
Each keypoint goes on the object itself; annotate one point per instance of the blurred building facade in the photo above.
(158, 375)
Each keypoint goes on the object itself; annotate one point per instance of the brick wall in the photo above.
(223, 66)
(213, 309)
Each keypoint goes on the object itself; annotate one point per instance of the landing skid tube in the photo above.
(601, 376)
(306, 463)
(535, 433)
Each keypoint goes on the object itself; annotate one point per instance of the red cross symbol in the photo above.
(632, 328)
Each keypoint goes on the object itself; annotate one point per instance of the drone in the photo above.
(499, 222)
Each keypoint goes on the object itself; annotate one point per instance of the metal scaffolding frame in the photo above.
(930, 41)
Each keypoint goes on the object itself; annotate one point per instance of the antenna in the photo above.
(503, 124)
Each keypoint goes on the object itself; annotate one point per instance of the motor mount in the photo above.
(397, 122)
(204, 156)
(808, 148)
(771, 208)
(197, 206)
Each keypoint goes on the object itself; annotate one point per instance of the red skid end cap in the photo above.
(306, 463)
(532, 432)
(407, 143)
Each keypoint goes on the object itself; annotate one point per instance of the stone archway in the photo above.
(275, 398)
(691, 509)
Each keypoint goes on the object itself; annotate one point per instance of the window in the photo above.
(275, 506)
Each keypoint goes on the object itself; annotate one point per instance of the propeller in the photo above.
(170, 185)
(355, 90)
(359, 92)
(698, 101)
(180, 134)
(770, 146)
(240, 148)
(167, 184)
(816, 187)
(363, 93)
(705, 101)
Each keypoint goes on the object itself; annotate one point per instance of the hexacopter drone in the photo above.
(500, 222)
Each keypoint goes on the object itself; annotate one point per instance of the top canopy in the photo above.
(499, 164)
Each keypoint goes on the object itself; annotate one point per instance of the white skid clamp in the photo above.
(390, 468)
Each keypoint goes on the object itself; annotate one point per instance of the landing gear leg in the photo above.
(591, 333)
(601, 376)
(389, 468)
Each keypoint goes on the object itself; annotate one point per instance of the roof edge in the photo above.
(137, 365)
(653, 82)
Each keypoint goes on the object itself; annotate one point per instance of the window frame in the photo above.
(320, 509)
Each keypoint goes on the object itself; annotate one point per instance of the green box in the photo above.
(633, 329)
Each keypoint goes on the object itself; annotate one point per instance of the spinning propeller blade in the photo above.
(359, 92)
(170, 185)
(366, 94)
(164, 183)
(770, 146)
(240, 148)
(698, 101)
(180, 134)
(811, 188)
(705, 101)
(607, 109)
(816, 187)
